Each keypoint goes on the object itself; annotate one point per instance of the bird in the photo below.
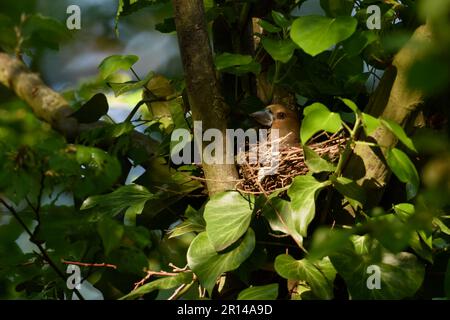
(282, 118)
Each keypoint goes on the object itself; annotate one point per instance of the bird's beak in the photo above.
(264, 117)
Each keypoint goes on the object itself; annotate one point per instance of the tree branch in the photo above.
(206, 101)
(392, 100)
(51, 107)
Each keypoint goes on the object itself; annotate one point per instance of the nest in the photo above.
(256, 178)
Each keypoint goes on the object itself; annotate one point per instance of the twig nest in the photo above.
(276, 170)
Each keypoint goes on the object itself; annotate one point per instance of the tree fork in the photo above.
(392, 100)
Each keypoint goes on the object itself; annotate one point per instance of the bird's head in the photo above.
(277, 116)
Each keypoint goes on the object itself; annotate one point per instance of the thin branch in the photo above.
(85, 264)
(38, 245)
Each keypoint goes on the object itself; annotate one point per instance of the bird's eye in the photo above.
(281, 115)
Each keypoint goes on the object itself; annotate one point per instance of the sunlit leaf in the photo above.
(267, 292)
(316, 163)
(317, 118)
(159, 284)
(319, 275)
(315, 34)
(279, 49)
(227, 217)
(114, 63)
(404, 170)
(303, 193)
(396, 129)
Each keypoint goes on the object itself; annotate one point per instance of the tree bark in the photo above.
(206, 101)
(392, 100)
(51, 107)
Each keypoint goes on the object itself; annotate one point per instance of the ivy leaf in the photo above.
(208, 265)
(279, 214)
(92, 110)
(349, 103)
(267, 292)
(267, 26)
(280, 20)
(236, 63)
(370, 123)
(398, 131)
(401, 274)
(404, 170)
(130, 197)
(194, 223)
(160, 284)
(279, 49)
(114, 63)
(327, 241)
(121, 88)
(353, 192)
(227, 217)
(315, 34)
(303, 193)
(317, 118)
(319, 275)
(315, 163)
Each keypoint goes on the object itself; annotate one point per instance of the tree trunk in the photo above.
(206, 101)
(392, 100)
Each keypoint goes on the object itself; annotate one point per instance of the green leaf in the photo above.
(315, 163)
(349, 103)
(303, 193)
(370, 123)
(353, 192)
(227, 60)
(354, 45)
(227, 217)
(392, 233)
(279, 214)
(404, 170)
(92, 110)
(327, 241)
(130, 197)
(194, 223)
(441, 225)
(114, 63)
(396, 129)
(237, 64)
(404, 210)
(267, 26)
(267, 292)
(121, 88)
(317, 118)
(280, 20)
(318, 275)
(279, 49)
(315, 34)
(401, 274)
(160, 284)
(111, 233)
(208, 265)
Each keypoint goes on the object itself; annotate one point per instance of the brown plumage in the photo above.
(277, 116)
